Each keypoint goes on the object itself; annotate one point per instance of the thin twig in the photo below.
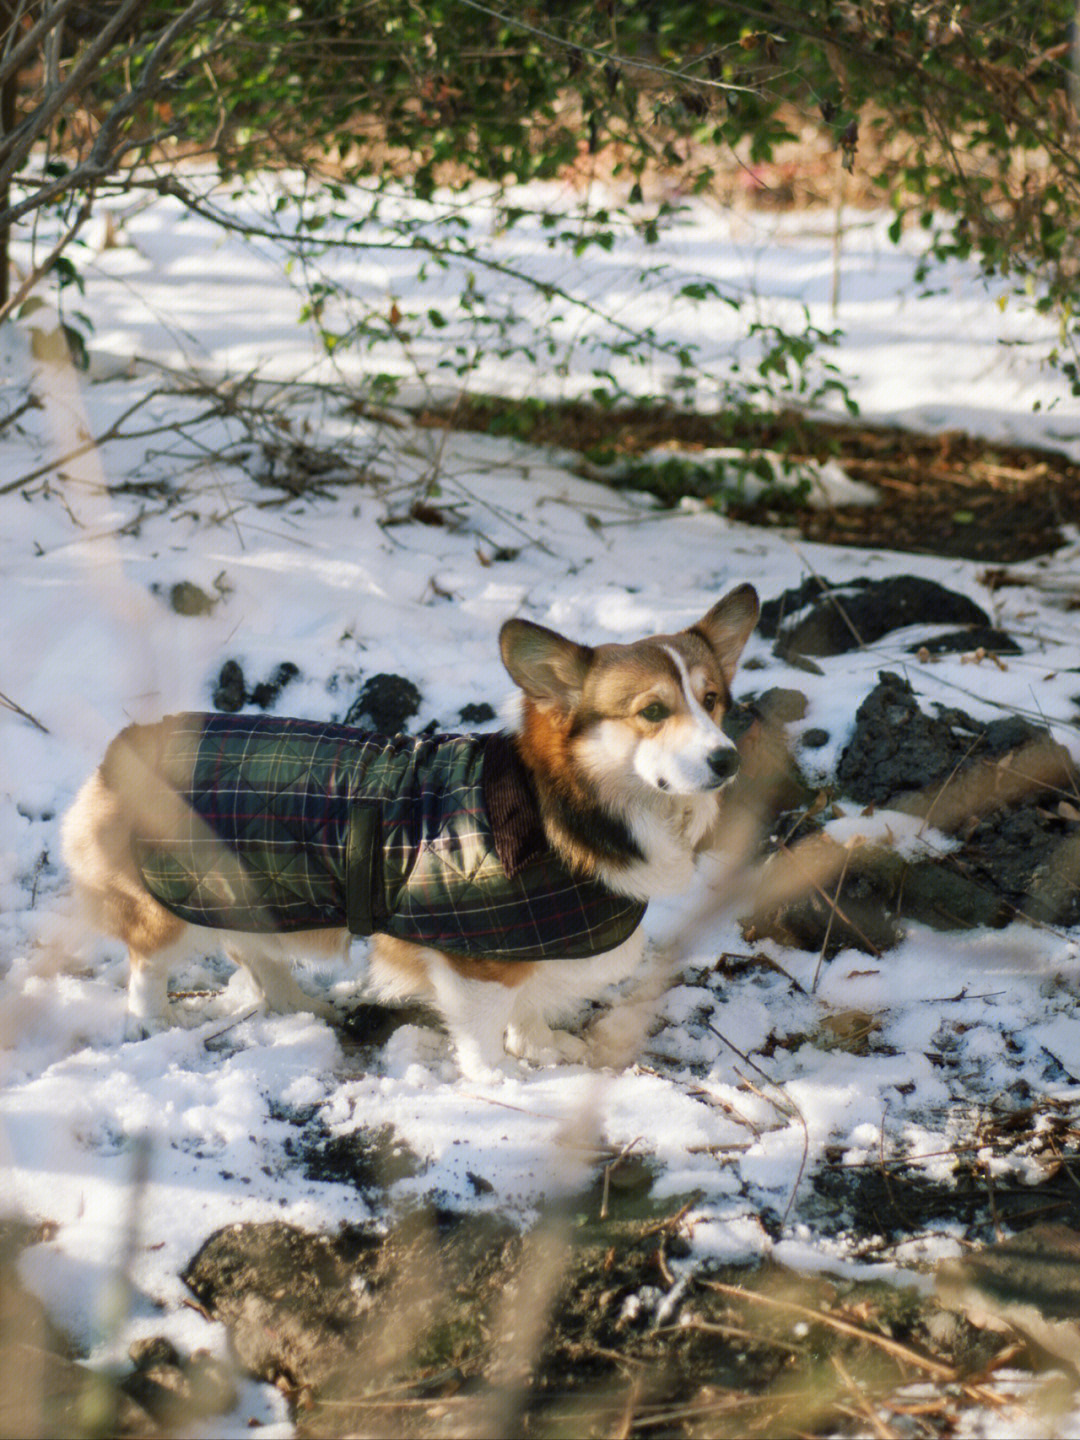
(828, 928)
(39, 271)
(609, 57)
(611, 1164)
(863, 1406)
(737, 1332)
(793, 1112)
(892, 1347)
(30, 403)
(224, 1030)
(827, 592)
(874, 949)
(11, 705)
(111, 433)
(945, 784)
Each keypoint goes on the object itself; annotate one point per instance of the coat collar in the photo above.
(512, 807)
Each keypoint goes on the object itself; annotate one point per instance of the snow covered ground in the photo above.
(90, 550)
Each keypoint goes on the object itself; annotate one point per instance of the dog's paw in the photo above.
(538, 1044)
(484, 1070)
(143, 1027)
(490, 1074)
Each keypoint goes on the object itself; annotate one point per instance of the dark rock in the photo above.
(632, 1174)
(230, 692)
(940, 895)
(897, 748)
(388, 702)
(266, 692)
(877, 892)
(1030, 856)
(476, 714)
(154, 1350)
(998, 784)
(1037, 1271)
(176, 1391)
(284, 1295)
(1008, 733)
(162, 1391)
(1028, 1284)
(782, 706)
(788, 604)
(844, 617)
(814, 738)
(856, 918)
(188, 599)
(367, 1024)
(803, 662)
(975, 637)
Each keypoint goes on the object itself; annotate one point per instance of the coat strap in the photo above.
(360, 870)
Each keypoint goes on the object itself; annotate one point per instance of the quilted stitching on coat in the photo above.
(289, 824)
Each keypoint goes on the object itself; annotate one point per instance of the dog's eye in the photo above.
(710, 701)
(655, 712)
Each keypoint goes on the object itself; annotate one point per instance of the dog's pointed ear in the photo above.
(549, 668)
(728, 626)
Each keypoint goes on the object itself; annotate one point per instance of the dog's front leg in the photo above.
(476, 1014)
(531, 1038)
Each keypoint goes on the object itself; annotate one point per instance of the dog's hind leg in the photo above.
(267, 959)
(148, 989)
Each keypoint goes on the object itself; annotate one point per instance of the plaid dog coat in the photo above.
(295, 825)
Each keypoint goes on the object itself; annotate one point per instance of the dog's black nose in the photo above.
(723, 762)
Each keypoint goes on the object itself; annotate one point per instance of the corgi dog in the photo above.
(502, 878)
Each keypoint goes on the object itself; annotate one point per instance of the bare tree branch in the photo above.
(17, 145)
(106, 151)
(18, 53)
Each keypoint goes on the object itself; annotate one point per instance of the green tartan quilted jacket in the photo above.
(296, 825)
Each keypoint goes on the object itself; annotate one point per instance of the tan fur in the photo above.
(97, 847)
(410, 966)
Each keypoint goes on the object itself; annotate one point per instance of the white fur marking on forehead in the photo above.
(693, 703)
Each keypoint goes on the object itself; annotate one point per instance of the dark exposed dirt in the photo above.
(453, 1324)
(944, 494)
